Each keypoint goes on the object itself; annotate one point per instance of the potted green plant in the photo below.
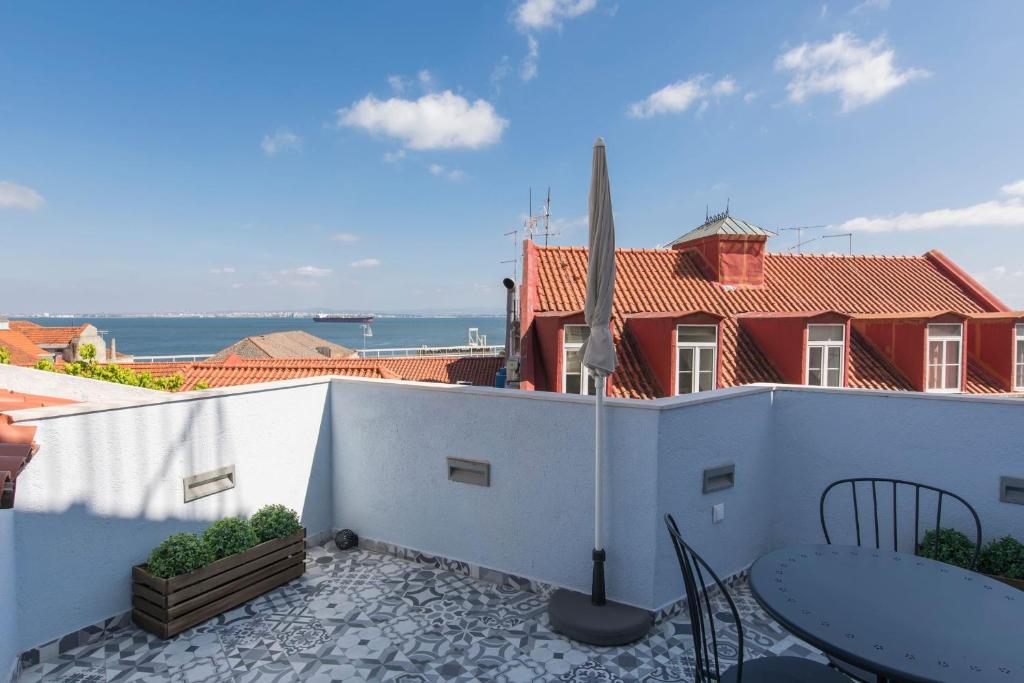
(188, 579)
(1003, 559)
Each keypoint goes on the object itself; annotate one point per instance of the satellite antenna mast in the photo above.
(799, 235)
(514, 234)
(539, 225)
(847, 235)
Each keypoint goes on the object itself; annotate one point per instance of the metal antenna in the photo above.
(726, 206)
(539, 225)
(848, 236)
(515, 253)
(799, 235)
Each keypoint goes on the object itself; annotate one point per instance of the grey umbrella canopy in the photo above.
(599, 349)
(592, 618)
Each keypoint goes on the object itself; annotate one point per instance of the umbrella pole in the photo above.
(597, 591)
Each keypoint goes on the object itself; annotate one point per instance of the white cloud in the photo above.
(394, 157)
(451, 174)
(397, 83)
(528, 69)
(425, 78)
(533, 15)
(308, 271)
(434, 121)
(861, 73)
(868, 5)
(681, 95)
(365, 263)
(344, 237)
(14, 196)
(280, 141)
(223, 270)
(237, 285)
(1014, 189)
(994, 213)
(500, 72)
(749, 97)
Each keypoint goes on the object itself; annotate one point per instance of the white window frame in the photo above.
(825, 347)
(944, 363)
(697, 346)
(1018, 368)
(585, 374)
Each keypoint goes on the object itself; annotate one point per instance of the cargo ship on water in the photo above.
(342, 318)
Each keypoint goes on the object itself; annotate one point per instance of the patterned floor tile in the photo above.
(364, 616)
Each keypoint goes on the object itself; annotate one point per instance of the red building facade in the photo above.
(714, 309)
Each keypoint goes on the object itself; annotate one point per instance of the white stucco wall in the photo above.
(536, 518)
(106, 487)
(8, 597)
(958, 443)
(370, 455)
(59, 385)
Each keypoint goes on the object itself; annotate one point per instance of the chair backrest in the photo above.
(702, 615)
(892, 487)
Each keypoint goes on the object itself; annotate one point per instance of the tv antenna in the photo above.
(539, 225)
(800, 234)
(848, 235)
(514, 234)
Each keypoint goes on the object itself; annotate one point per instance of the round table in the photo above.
(897, 615)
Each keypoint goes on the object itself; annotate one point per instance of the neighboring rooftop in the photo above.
(709, 272)
(290, 344)
(44, 335)
(22, 349)
(233, 370)
(722, 224)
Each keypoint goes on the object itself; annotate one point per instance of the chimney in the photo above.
(732, 249)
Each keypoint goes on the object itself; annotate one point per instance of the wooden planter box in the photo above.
(167, 607)
(1016, 583)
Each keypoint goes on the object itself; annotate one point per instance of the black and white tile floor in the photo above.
(364, 616)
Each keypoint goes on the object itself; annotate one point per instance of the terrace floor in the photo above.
(364, 616)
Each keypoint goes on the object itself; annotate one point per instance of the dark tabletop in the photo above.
(902, 616)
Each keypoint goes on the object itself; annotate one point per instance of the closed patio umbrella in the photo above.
(591, 618)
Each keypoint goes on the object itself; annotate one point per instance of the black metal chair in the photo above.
(894, 486)
(707, 667)
(898, 485)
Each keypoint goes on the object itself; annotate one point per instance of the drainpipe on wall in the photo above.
(511, 335)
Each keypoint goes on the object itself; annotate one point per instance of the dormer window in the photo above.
(825, 347)
(1018, 366)
(944, 367)
(697, 356)
(573, 372)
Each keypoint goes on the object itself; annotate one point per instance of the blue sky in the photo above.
(370, 156)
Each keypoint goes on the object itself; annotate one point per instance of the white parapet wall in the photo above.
(59, 385)
(107, 486)
(370, 455)
(9, 649)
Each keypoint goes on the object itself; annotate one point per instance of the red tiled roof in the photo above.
(40, 334)
(665, 280)
(16, 441)
(477, 370)
(23, 351)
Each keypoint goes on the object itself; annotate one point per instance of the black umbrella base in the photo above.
(574, 616)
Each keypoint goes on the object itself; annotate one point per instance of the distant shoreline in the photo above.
(248, 314)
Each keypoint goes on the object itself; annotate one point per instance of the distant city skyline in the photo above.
(201, 158)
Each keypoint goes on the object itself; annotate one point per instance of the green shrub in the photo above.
(275, 521)
(5, 356)
(179, 554)
(229, 537)
(954, 547)
(45, 364)
(1004, 557)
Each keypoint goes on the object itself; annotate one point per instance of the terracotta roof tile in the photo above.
(40, 334)
(289, 344)
(665, 280)
(16, 441)
(23, 351)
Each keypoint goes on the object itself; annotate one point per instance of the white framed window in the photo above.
(1018, 366)
(576, 379)
(696, 358)
(826, 345)
(944, 345)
